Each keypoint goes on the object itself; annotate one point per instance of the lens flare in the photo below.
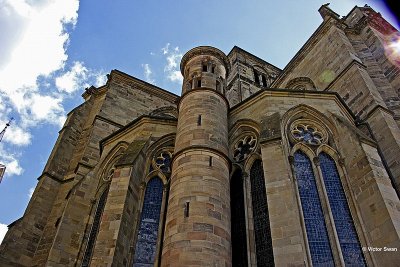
(392, 48)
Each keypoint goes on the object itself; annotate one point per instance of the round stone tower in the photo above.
(197, 229)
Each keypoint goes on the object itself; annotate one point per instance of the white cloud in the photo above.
(165, 49)
(71, 81)
(16, 135)
(3, 231)
(30, 193)
(34, 40)
(148, 73)
(11, 162)
(173, 58)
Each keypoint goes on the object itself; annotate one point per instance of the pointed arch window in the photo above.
(238, 221)
(146, 244)
(95, 228)
(317, 234)
(262, 231)
(349, 243)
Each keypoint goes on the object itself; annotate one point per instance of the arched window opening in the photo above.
(238, 222)
(262, 231)
(95, 228)
(317, 234)
(344, 224)
(264, 80)
(146, 244)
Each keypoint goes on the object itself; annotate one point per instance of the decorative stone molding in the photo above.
(109, 175)
(244, 147)
(308, 132)
(162, 161)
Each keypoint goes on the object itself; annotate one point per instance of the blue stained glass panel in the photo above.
(345, 229)
(146, 243)
(317, 234)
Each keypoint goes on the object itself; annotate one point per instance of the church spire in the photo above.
(2, 166)
(5, 128)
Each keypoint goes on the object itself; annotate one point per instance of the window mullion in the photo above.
(330, 223)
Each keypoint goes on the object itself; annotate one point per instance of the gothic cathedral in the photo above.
(251, 166)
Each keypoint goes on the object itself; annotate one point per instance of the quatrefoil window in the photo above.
(244, 147)
(163, 161)
(308, 134)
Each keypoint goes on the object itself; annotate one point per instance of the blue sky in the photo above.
(50, 50)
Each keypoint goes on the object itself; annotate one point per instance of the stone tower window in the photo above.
(256, 77)
(146, 243)
(204, 67)
(95, 228)
(264, 80)
(199, 83)
(262, 231)
(213, 69)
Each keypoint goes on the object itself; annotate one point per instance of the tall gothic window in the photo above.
(238, 222)
(262, 231)
(345, 229)
(95, 228)
(317, 234)
(146, 244)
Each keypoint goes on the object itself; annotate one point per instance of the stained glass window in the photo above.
(317, 234)
(238, 222)
(146, 244)
(345, 229)
(262, 231)
(95, 229)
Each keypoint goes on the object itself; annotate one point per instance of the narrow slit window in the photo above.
(256, 78)
(264, 80)
(199, 83)
(213, 69)
(210, 162)
(204, 68)
(199, 120)
(187, 209)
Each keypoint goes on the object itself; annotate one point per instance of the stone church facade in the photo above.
(251, 166)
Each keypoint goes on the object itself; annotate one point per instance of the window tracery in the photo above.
(309, 133)
(330, 191)
(162, 161)
(244, 147)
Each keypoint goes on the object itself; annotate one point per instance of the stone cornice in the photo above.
(119, 76)
(203, 89)
(205, 50)
(134, 124)
(275, 92)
